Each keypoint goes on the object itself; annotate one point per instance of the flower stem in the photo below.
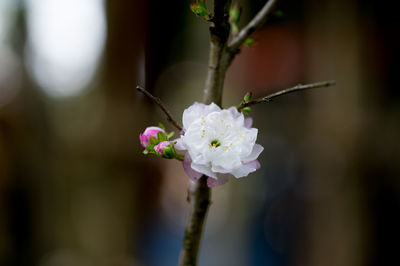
(179, 157)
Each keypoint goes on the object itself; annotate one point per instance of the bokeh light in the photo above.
(66, 38)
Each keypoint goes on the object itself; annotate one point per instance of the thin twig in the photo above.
(286, 91)
(159, 103)
(253, 25)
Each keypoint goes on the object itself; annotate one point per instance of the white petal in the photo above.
(257, 149)
(220, 169)
(203, 169)
(237, 151)
(179, 144)
(197, 157)
(235, 113)
(226, 162)
(197, 110)
(250, 137)
(212, 107)
(246, 169)
(193, 175)
(192, 113)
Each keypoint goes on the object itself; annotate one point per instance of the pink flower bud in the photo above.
(149, 132)
(165, 149)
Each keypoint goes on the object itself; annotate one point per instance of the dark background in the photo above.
(75, 188)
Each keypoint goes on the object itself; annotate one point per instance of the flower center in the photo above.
(215, 143)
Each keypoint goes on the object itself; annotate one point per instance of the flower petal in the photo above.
(218, 142)
(193, 175)
(222, 179)
(203, 169)
(257, 149)
(149, 132)
(152, 131)
(248, 122)
(179, 145)
(246, 169)
(250, 138)
(197, 110)
(144, 140)
(235, 113)
(192, 113)
(212, 107)
(220, 169)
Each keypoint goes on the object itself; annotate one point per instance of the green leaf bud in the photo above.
(234, 13)
(249, 42)
(247, 97)
(170, 134)
(200, 9)
(246, 110)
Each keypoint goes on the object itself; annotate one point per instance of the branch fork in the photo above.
(223, 49)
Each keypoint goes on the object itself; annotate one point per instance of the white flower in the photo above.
(218, 143)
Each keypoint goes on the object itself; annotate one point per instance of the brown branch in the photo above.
(199, 193)
(219, 58)
(162, 107)
(253, 25)
(299, 87)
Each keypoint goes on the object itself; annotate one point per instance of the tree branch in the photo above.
(253, 25)
(159, 103)
(199, 193)
(299, 87)
(219, 58)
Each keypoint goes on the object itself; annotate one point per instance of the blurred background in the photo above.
(75, 188)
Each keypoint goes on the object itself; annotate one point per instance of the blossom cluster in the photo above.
(218, 142)
(156, 140)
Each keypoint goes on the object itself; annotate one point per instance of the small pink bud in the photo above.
(149, 132)
(165, 149)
